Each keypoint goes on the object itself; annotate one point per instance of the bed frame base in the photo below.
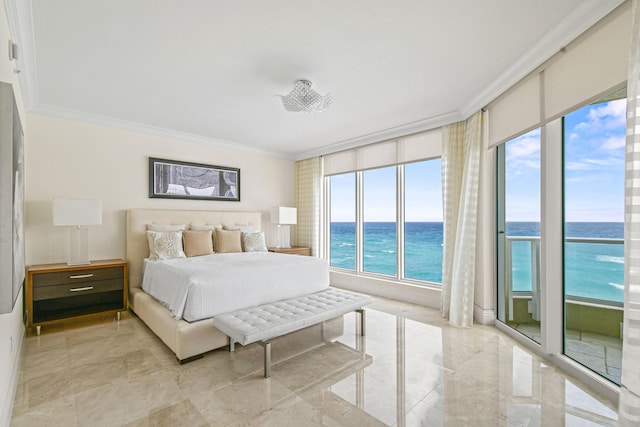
(190, 359)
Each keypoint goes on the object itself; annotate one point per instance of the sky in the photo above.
(593, 166)
(423, 194)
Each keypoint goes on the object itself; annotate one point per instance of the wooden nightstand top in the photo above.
(293, 250)
(65, 266)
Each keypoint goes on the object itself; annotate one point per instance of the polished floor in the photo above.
(411, 369)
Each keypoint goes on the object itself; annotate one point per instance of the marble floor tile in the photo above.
(411, 369)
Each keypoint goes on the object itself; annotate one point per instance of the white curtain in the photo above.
(629, 406)
(308, 202)
(461, 144)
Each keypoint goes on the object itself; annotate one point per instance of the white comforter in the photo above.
(201, 287)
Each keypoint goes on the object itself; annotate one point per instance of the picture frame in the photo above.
(173, 179)
(12, 204)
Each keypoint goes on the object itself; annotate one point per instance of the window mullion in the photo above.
(400, 221)
(359, 223)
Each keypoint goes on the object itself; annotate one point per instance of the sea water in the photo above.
(592, 270)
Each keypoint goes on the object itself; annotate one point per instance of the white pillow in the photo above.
(245, 228)
(166, 227)
(254, 242)
(204, 227)
(165, 244)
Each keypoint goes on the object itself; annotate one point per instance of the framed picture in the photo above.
(171, 179)
(12, 263)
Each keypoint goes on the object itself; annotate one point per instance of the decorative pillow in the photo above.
(254, 242)
(165, 244)
(166, 227)
(197, 243)
(198, 227)
(228, 241)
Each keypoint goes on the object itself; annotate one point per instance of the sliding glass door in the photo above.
(519, 234)
(594, 139)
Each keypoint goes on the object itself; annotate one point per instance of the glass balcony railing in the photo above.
(594, 295)
(594, 269)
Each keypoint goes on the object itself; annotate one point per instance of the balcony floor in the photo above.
(600, 353)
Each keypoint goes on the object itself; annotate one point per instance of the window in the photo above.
(343, 221)
(379, 209)
(401, 221)
(423, 221)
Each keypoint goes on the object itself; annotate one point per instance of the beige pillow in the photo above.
(228, 241)
(211, 227)
(197, 243)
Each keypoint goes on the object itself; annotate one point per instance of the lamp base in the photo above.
(79, 246)
(284, 239)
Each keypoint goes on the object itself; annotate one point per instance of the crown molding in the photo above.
(63, 113)
(21, 32)
(19, 15)
(579, 21)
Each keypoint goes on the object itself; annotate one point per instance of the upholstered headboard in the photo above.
(137, 220)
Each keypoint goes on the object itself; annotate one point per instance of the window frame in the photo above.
(399, 276)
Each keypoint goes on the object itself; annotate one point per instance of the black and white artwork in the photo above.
(184, 180)
(12, 247)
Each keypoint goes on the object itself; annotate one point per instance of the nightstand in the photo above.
(57, 292)
(294, 250)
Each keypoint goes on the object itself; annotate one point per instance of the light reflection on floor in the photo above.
(411, 369)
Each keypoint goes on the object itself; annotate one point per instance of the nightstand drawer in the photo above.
(77, 276)
(76, 289)
(56, 292)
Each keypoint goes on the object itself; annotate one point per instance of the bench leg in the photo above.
(363, 328)
(267, 358)
(232, 345)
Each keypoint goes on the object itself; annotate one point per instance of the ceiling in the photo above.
(210, 71)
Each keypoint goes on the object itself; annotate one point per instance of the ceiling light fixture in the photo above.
(303, 98)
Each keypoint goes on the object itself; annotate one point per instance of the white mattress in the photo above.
(202, 287)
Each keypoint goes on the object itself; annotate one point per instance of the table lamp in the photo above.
(284, 216)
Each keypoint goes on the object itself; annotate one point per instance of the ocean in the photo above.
(592, 270)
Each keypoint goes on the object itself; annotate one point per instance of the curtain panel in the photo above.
(308, 203)
(629, 402)
(461, 146)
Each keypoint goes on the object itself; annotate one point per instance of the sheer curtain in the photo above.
(629, 407)
(308, 200)
(461, 145)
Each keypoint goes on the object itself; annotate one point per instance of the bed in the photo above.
(188, 339)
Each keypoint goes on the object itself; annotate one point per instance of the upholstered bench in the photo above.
(268, 321)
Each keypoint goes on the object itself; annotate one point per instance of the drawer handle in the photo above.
(86, 288)
(81, 276)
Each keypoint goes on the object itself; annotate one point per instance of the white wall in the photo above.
(73, 159)
(11, 327)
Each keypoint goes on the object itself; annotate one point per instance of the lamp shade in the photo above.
(77, 212)
(283, 215)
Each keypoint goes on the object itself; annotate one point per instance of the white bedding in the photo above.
(201, 287)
